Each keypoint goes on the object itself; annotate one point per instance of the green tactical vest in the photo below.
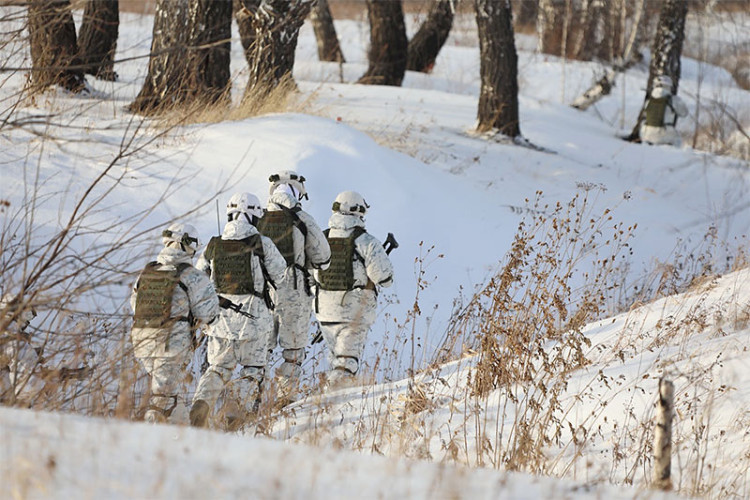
(231, 264)
(155, 291)
(340, 273)
(279, 226)
(655, 109)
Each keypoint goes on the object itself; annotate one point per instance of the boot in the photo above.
(199, 414)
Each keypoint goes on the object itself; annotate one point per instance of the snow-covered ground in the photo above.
(453, 201)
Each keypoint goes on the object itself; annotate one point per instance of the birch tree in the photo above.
(164, 85)
(209, 49)
(329, 48)
(276, 24)
(666, 52)
(425, 45)
(97, 38)
(388, 43)
(54, 48)
(498, 99)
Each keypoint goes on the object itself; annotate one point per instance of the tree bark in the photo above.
(165, 84)
(243, 10)
(276, 24)
(526, 13)
(666, 53)
(97, 38)
(54, 48)
(663, 436)
(329, 48)
(209, 50)
(388, 43)
(498, 99)
(425, 45)
(549, 26)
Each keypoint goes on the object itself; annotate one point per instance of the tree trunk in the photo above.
(498, 99)
(165, 84)
(526, 13)
(209, 50)
(549, 26)
(425, 46)
(54, 50)
(243, 10)
(329, 48)
(388, 43)
(276, 24)
(97, 38)
(666, 53)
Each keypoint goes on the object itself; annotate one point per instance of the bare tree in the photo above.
(666, 52)
(164, 85)
(526, 12)
(243, 16)
(388, 43)
(97, 38)
(276, 24)
(498, 99)
(549, 25)
(54, 49)
(329, 48)
(425, 45)
(209, 51)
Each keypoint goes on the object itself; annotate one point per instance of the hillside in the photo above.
(82, 170)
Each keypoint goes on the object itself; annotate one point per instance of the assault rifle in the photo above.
(390, 244)
(225, 303)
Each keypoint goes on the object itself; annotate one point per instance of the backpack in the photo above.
(232, 269)
(340, 273)
(155, 291)
(279, 226)
(656, 109)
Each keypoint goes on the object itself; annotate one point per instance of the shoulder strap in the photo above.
(356, 233)
(256, 241)
(180, 268)
(293, 213)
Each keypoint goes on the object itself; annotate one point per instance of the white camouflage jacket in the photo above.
(200, 300)
(230, 324)
(358, 305)
(311, 252)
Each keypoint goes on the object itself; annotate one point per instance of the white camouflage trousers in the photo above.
(291, 318)
(223, 357)
(18, 359)
(345, 342)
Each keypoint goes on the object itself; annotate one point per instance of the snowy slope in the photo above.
(64, 456)
(432, 183)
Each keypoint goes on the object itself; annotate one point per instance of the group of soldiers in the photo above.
(254, 288)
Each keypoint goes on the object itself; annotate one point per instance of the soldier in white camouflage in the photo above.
(244, 266)
(170, 299)
(662, 110)
(18, 358)
(347, 297)
(304, 247)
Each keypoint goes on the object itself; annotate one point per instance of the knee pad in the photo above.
(163, 403)
(253, 373)
(296, 356)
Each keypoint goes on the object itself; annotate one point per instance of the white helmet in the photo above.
(244, 203)
(184, 234)
(290, 177)
(350, 202)
(663, 81)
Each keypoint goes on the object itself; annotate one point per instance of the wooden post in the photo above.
(663, 436)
